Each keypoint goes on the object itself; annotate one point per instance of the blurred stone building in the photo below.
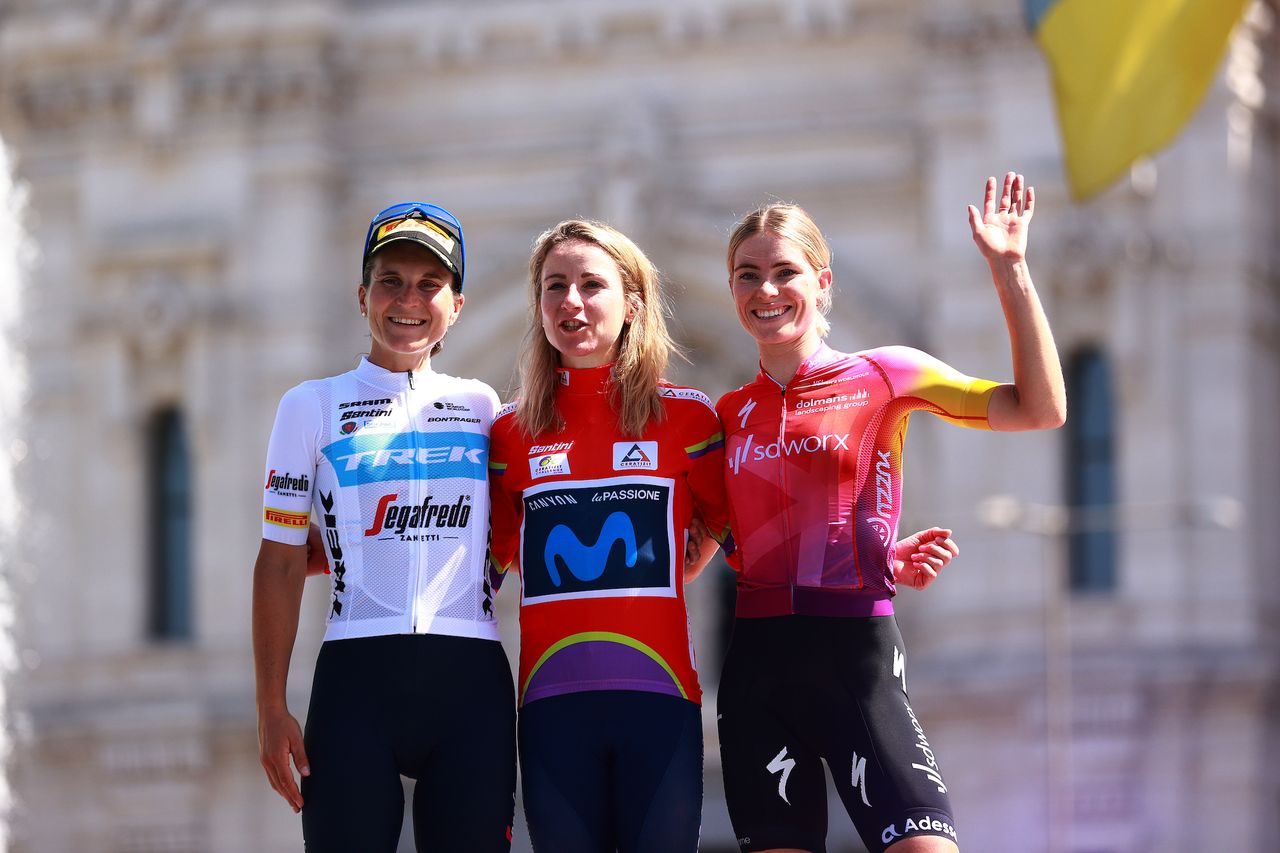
(200, 175)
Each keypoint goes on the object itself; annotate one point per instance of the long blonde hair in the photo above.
(791, 222)
(644, 344)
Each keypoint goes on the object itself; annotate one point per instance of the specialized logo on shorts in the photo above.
(858, 777)
(900, 667)
(882, 522)
(379, 457)
(548, 465)
(782, 764)
(617, 541)
(917, 826)
(635, 455)
(930, 767)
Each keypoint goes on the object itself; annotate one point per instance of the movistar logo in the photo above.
(588, 562)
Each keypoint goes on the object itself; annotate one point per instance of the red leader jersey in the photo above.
(598, 521)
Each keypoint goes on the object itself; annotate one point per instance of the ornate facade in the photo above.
(198, 178)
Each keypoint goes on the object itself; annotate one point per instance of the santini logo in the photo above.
(750, 452)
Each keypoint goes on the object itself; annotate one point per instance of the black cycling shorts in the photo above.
(437, 709)
(796, 689)
(612, 770)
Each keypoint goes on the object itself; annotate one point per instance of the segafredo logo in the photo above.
(395, 518)
(749, 451)
(287, 483)
(882, 521)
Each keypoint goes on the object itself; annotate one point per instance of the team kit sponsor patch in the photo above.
(635, 455)
(285, 518)
(618, 540)
(549, 464)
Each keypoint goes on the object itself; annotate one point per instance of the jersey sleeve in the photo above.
(291, 468)
(951, 395)
(504, 503)
(706, 475)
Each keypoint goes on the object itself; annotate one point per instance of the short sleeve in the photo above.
(290, 471)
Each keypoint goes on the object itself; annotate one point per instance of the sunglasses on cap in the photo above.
(426, 224)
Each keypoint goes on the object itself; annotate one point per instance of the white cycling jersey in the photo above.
(395, 465)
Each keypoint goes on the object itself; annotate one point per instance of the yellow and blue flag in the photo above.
(1128, 74)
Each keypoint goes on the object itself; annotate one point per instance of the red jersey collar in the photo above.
(821, 357)
(579, 381)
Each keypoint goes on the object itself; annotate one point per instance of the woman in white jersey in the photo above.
(411, 678)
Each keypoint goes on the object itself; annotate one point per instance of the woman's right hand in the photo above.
(279, 742)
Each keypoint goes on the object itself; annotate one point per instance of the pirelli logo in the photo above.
(284, 518)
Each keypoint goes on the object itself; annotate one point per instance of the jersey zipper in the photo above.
(793, 568)
(415, 498)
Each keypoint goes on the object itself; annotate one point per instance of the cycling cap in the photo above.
(427, 224)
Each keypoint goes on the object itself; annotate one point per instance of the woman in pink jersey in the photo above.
(816, 667)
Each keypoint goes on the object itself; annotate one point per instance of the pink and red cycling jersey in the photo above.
(813, 470)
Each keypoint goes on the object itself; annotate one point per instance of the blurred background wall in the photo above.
(1097, 671)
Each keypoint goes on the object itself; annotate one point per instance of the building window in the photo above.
(169, 520)
(1091, 473)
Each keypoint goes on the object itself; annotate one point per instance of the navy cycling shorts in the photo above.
(797, 689)
(437, 709)
(608, 770)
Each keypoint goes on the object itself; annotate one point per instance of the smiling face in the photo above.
(583, 303)
(410, 305)
(777, 292)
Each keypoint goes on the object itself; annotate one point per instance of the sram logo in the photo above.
(749, 451)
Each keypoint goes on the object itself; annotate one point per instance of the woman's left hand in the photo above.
(918, 558)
